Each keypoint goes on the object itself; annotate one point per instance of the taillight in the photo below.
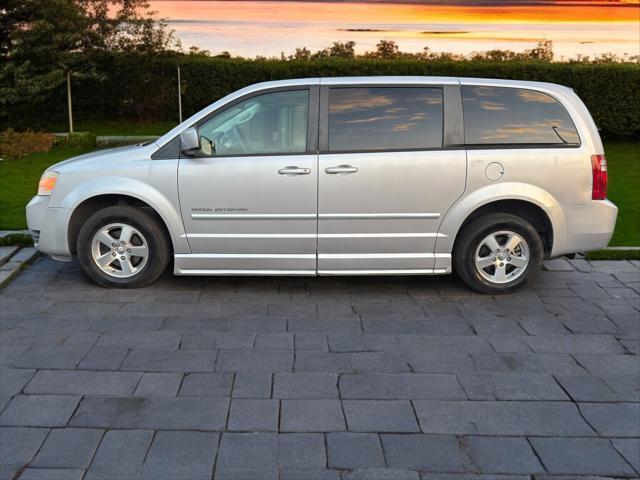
(599, 172)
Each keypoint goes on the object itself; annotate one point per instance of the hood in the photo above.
(102, 156)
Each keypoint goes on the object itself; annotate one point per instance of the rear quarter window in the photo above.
(515, 116)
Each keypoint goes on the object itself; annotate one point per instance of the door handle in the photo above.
(293, 170)
(341, 169)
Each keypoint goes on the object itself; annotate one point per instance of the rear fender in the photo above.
(465, 206)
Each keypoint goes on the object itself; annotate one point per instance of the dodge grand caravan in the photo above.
(341, 176)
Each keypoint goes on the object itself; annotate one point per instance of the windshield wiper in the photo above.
(555, 130)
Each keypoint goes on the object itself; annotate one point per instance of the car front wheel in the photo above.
(123, 247)
(498, 253)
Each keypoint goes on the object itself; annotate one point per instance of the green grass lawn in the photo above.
(623, 163)
(19, 180)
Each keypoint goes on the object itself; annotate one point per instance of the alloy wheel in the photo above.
(119, 250)
(502, 257)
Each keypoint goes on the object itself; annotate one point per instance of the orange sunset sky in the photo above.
(250, 27)
(569, 11)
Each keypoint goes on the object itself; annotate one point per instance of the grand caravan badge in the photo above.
(220, 209)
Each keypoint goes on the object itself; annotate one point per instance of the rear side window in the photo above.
(499, 115)
(385, 118)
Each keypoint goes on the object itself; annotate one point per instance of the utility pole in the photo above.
(179, 97)
(69, 107)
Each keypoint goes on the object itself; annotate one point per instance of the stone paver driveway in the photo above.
(320, 378)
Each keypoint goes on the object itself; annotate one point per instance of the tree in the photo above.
(343, 49)
(387, 49)
(195, 51)
(301, 54)
(43, 41)
(543, 51)
(495, 55)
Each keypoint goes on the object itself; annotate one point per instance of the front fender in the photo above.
(131, 187)
(466, 205)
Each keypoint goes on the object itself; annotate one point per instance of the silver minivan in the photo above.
(341, 176)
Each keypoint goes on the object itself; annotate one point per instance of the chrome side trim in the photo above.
(328, 256)
(246, 272)
(428, 271)
(313, 235)
(381, 235)
(310, 256)
(342, 216)
(303, 216)
(253, 216)
(250, 235)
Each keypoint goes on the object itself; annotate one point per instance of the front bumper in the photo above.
(49, 226)
(587, 228)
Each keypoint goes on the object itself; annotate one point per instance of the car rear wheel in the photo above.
(498, 253)
(123, 247)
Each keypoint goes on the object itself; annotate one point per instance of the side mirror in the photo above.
(189, 141)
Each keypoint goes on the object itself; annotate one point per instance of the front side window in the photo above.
(271, 123)
(502, 115)
(385, 118)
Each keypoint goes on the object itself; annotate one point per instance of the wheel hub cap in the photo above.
(502, 257)
(119, 250)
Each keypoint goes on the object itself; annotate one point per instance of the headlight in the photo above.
(47, 182)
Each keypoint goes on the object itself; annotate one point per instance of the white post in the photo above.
(69, 107)
(179, 97)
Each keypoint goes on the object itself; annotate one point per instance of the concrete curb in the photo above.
(6, 253)
(14, 259)
(563, 264)
(6, 233)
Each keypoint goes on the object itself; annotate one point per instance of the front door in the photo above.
(385, 180)
(249, 197)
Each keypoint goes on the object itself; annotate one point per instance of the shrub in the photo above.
(18, 144)
(80, 139)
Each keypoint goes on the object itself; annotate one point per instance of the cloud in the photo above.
(403, 127)
(485, 92)
(492, 106)
(359, 102)
(372, 119)
(537, 97)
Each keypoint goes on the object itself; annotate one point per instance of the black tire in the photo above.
(147, 224)
(472, 235)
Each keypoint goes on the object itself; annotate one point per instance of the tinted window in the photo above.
(269, 123)
(384, 118)
(498, 115)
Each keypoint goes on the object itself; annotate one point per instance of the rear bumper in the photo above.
(50, 225)
(586, 228)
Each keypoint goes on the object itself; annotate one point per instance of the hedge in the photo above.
(145, 88)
